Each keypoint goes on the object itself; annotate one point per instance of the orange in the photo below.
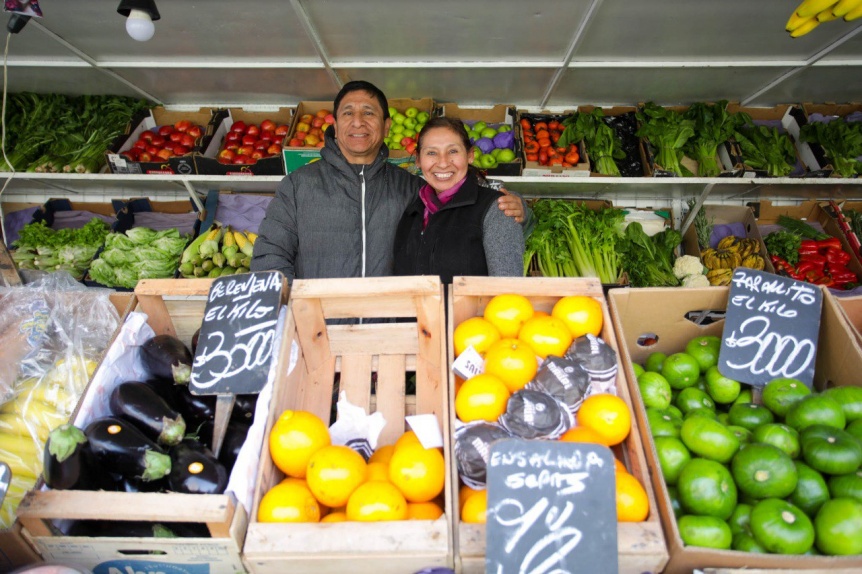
(619, 466)
(376, 501)
(289, 501)
(546, 336)
(465, 493)
(382, 454)
(508, 312)
(335, 517)
(483, 397)
(377, 471)
(423, 511)
(418, 472)
(608, 415)
(580, 313)
(409, 437)
(512, 361)
(475, 508)
(582, 434)
(334, 472)
(295, 436)
(476, 332)
(632, 501)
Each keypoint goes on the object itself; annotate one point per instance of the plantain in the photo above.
(754, 261)
(748, 247)
(730, 242)
(719, 277)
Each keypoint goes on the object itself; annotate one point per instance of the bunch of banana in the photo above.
(40, 404)
(730, 253)
(811, 13)
(218, 251)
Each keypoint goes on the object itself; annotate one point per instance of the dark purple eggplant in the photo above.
(121, 448)
(234, 438)
(243, 407)
(64, 461)
(167, 357)
(196, 409)
(167, 389)
(132, 484)
(138, 402)
(196, 471)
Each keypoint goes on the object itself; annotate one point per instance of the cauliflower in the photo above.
(687, 265)
(695, 280)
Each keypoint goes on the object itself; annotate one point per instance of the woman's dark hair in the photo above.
(362, 86)
(455, 125)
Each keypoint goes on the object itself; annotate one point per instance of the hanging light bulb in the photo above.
(139, 18)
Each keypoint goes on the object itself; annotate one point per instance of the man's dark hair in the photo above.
(362, 86)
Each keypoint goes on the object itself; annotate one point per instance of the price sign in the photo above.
(236, 343)
(771, 328)
(551, 508)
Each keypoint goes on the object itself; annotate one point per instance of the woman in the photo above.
(454, 227)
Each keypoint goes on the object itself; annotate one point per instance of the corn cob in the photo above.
(251, 236)
(193, 250)
(210, 245)
(243, 243)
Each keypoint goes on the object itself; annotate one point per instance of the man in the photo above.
(337, 217)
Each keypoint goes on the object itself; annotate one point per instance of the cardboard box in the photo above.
(641, 544)
(818, 163)
(660, 314)
(633, 165)
(296, 157)
(852, 309)
(152, 120)
(402, 157)
(174, 307)
(391, 350)
(723, 214)
(501, 114)
(787, 119)
(535, 169)
(206, 160)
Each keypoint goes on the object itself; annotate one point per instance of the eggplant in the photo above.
(64, 460)
(234, 438)
(196, 409)
(167, 389)
(132, 484)
(243, 407)
(121, 448)
(196, 471)
(167, 357)
(138, 403)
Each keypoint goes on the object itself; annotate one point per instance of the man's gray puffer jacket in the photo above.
(328, 220)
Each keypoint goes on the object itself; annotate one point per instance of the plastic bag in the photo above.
(52, 333)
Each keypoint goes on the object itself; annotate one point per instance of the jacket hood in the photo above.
(331, 154)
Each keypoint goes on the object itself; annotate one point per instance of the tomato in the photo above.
(850, 399)
(540, 134)
(554, 125)
(811, 489)
(838, 527)
(781, 527)
(706, 488)
(532, 157)
(544, 142)
(675, 504)
(815, 409)
(745, 542)
(740, 519)
(749, 415)
(830, 450)
(744, 435)
(572, 157)
(723, 390)
(782, 393)
(705, 350)
(705, 531)
(681, 370)
(855, 429)
(663, 423)
(779, 435)
(654, 390)
(709, 438)
(847, 486)
(531, 147)
(525, 124)
(555, 161)
(764, 471)
(672, 457)
(655, 361)
(540, 126)
(692, 398)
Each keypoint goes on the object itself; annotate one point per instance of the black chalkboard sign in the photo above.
(551, 508)
(235, 346)
(771, 328)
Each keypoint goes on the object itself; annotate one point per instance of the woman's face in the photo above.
(443, 158)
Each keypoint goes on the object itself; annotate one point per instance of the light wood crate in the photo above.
(174, 307)
(391, 350)
(641, 544)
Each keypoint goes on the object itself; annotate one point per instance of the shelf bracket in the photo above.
(692, 213)
(193, 195)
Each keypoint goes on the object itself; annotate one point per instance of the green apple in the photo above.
(410, 122)
(487, 161)
(496, 153)
(473, 135)
(396, 128)
(399, 118)
(394, 146)
(504, 128)
(387, 140)
(479, 126)
(506, 155)
(392, 112)
(488, 133)
(411, 112)
(423, 117)
(408, 133)
(477, 153)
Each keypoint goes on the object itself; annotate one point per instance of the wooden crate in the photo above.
(175, 307)
(642, 544)
(416, 343)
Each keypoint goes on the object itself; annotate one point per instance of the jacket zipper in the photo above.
(362, 176)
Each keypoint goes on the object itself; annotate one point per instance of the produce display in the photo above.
(41, 247)
(404, 128)
(64, 134)
(541, 138)
(781, 476)
(246, 143)
(309, 129)
(569, 396)
(766, 148)
(139, 253)
(603, 144)
(811, 13)
(840, 138)
(164, 142)
(218, 251)
(493, 144)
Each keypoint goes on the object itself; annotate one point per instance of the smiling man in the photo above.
(337, 217)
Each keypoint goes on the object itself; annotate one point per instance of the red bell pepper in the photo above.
(831, 242)
(837, 255)
(813, 258)
(807, 267)
(783, 267)
(808, 246)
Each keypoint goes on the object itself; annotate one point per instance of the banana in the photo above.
(809, 8)
(795, 22)
(854, 14)
(844, 7)
(719, 276)
(826, 16)
(809, 25)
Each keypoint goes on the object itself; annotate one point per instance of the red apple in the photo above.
(317, 122)
(405, 141)
(145, 156)
(182, 125)
(169, 145)
(274, 149)
(258, 154)
(330, 119)
(153, 150)
(295, 142)
(232, 137)
(147, 136)
(244, 150)
(130, 154)
(410, 148)
(241, 159)
(187, 140)
(180, 149)
(248, 139)
(267, 135)
(238, 126)
(322, 113)
(164, 154)
(306, 118)
(252, 130)
(226, 156)
(267, 126)
(158, 141)
(282, 130)
(195, 131)
(300, 135)
(321, 143)
(231, 146)
(303, 126)
(311, 140)
(261, 144)
(316, 132)
(140, 144)
(175, 136)
(165, 131)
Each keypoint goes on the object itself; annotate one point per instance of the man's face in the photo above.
(360, 127)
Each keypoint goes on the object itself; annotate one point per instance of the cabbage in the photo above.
(505, 140)
(485, 144)
(142, 235)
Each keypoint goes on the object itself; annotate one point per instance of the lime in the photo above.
(705, 351)
(780, 435)
(663, 423)
(815, 409)
(672, 456)
(781, 394)
(830, 450)
(740, 518)
(745, 542)
(723, 390)
(705, 531)
(763, 471)
(701, 383)
(722, 418)
(708, 438)
(681, 370)
(674, 411)
(811, 489)
(654, 389)
(744, 435)
(706, 488)
(654, 362)
(850, 399)
(749, 415)
(692, 398)
(855, 428)
(743, 398)
(675, 504)
(637, 369)
(708, 413)
(780, 527)
(847, 486)
(838, 526)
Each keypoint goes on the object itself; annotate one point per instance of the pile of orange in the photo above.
(331, 483)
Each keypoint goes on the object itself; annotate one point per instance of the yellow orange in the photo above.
(508, 312)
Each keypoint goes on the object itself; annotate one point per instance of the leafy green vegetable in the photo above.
(842, 142)
(784, 244)
(766, 148)
(668, 131)
(603, 144)
(140, 253)
(41, 247)
(648, 261)
(713, 126)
